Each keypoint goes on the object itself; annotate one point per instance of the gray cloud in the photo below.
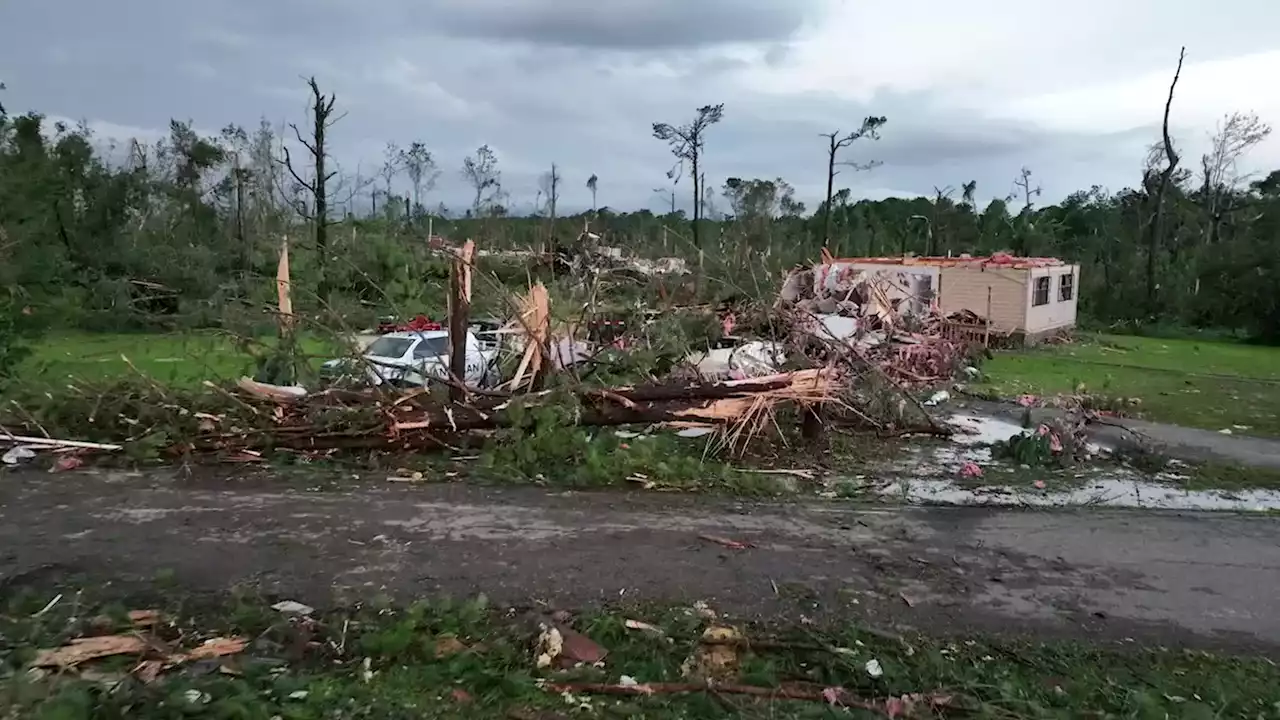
(629, 24)
(581, 88)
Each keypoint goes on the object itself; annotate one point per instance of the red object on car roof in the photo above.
(421, 323)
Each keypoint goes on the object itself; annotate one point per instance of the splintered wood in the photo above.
(282, 287)
(535, 322)
(459, 313)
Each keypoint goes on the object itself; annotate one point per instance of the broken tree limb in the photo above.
(55, 443)
(283, 288)
(459, 312)
(415, 423)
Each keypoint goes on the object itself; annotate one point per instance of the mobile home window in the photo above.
(1041, 295)
(1066, 287)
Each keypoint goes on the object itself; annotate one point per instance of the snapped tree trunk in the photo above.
(1156, 229)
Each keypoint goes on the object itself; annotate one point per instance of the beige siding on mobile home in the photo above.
(1056, 313)
(967, 288)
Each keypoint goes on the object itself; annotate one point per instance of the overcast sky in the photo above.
(972, 90)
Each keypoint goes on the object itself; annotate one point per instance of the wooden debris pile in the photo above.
(416, 420)
(880, 317)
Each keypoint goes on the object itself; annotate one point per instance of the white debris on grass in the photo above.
(1122, 489)
(292, 607)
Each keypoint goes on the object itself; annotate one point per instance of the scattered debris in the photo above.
(970, 470)
(80, 650)
(448, 645)
(292, 607)
(696, 431)
(893, 707)
(937, 398)
(65, 463)
(646, 627)
(145, 618)
(873, 668)
(577, 648)
(731, 544)
(548, 647)
(460, 696)
(18, 455)
(716, 655)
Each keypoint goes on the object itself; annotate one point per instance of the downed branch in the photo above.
(81, 650)
(416, 421)
(892, 707)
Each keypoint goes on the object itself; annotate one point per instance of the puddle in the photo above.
(982, 430)
(928, 473)
(1116, 491)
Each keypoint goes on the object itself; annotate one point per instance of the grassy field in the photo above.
(184, 359)
(465, 659)
(1208, 385)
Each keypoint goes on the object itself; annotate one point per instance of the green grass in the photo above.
(1219, 476)
(180, 359)
(1208, 385)
(384, 661)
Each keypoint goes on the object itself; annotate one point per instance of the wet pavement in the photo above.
(1201, 578)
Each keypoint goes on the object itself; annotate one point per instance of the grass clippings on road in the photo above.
(451, 659)
(1210, 385)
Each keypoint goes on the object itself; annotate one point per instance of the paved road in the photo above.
(1197, 578)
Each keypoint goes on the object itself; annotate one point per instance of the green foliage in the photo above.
(1029, 448)
(545, 446)
(13, 334)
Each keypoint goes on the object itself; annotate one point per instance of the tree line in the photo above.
(106, 237)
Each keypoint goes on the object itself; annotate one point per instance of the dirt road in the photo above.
(1199, 578)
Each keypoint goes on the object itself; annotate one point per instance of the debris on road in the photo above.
(726, 542)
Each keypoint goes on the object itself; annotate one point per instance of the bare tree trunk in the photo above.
(554, 197)
(322, 120)
(1166, 175)
(831, 180)
(697, 202)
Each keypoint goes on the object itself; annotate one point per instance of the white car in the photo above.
(412, 358)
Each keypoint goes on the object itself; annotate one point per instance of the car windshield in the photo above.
(432, 347)
(388, 347)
